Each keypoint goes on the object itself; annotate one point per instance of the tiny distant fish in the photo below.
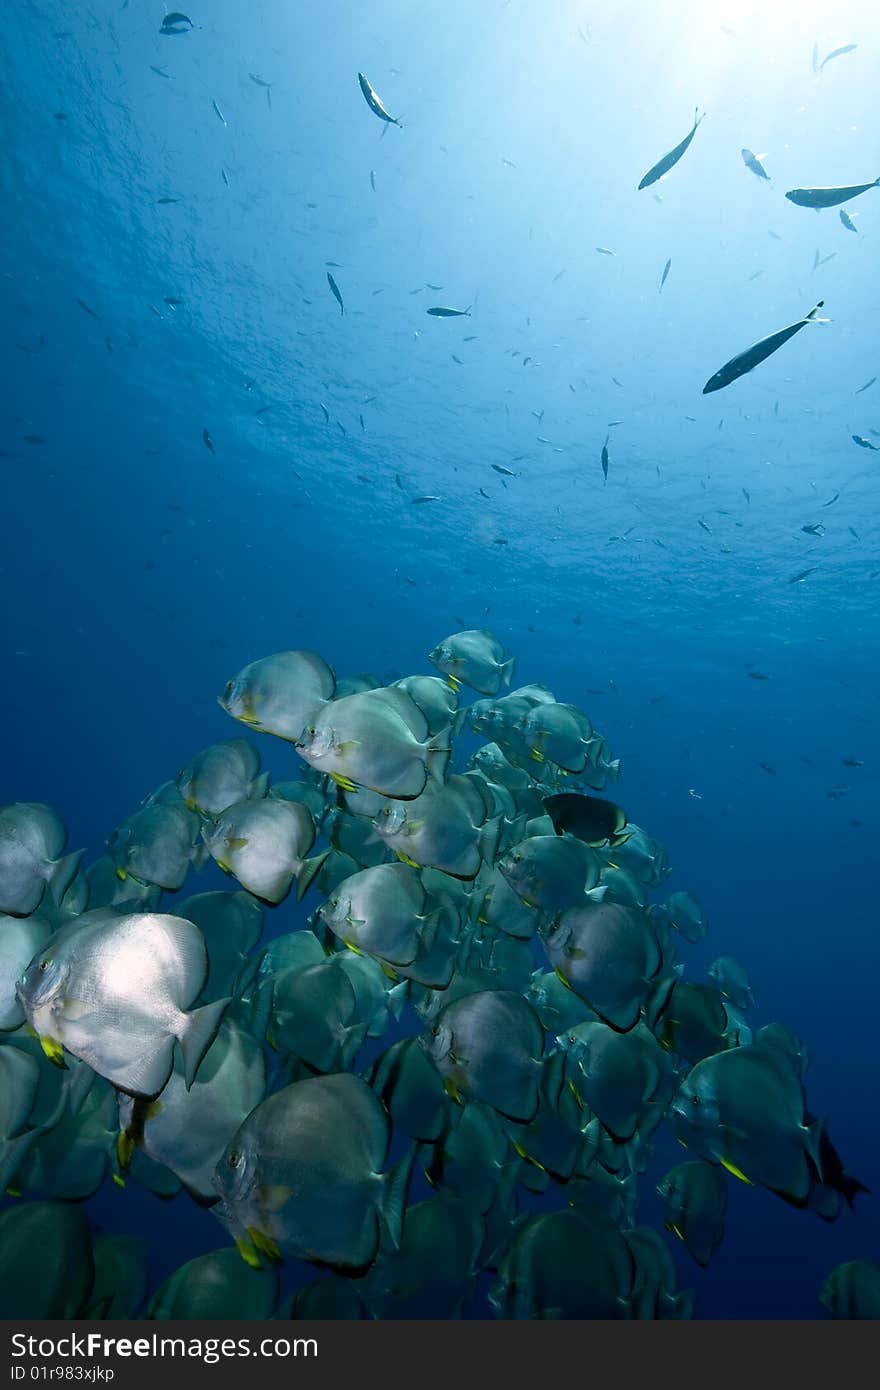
(508, 162)
(831, 500)
(86, 310)
(864, 443)
(440, 313)
(838, 53)
(484, 493)
(558, 276)
(748, 360)
(665, 164)
(373, 179)
(757, 675)
(664, 275)
(417, 501)
(507, 472)
(835, 793)
(433, 287)
(802, 575)
(326, 413)
(617, 383)
(753, 162)
(171, 301)
(224, 176)
(456, 359)
(853, 532)
(775, 235)
(612, 423)
(109, 346)
(756, 276)
(852, 762)
(542, 439)
(866, 385)
(827, 258)
(159, 71)
(746, 494)
(828, 197)
(702, 523)
(399, 482)
(767, 768)
(335, 291)
(361, 418)
(374, 102)
(603, 251)
(218, 112)
(35, 439)
(815, 528)
(471, 339)
(162, 202)
(848, 221)
(260, 81)
(816, 58)
(604, 458)
(208, 442)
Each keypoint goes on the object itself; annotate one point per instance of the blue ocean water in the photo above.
(141, 570)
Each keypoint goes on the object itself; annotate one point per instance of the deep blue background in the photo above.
(139, 571)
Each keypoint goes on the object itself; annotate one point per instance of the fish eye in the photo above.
(44, 965)
(572, 1038)
(228, 689)
(233, 1158)
(695, 1100)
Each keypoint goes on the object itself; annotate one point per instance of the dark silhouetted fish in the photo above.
(665, 164)
(828, 197)
(748, 360)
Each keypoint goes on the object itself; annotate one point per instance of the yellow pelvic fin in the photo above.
(560, 976)
(248, 1254)
(124, 1149)
(389, 971)
(537, 755)
(406, 859)
(54, 1051)
(118, 1179)
(737, 1172)
(452, 1091)
(528, 1157)
(121, 874)
(191, 804)
(678, 1232)
(221, 864)
(351, 946)
(454, 682)
(345, 783)
(13, 1191)
(265, 1243)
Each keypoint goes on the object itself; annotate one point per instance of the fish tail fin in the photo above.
(437, 755)
(198, 1033)
(61, 874)
(814, 1133)
(507, 671)
(305, 877)
(397, 997)
(851, 1187)
(394, 1197)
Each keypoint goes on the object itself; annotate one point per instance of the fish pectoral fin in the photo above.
(76, 1009)
(274, 1197)
(737, 1172)
(54, 1051)
(236, 842)
(265, 1244)
(124, 1149)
